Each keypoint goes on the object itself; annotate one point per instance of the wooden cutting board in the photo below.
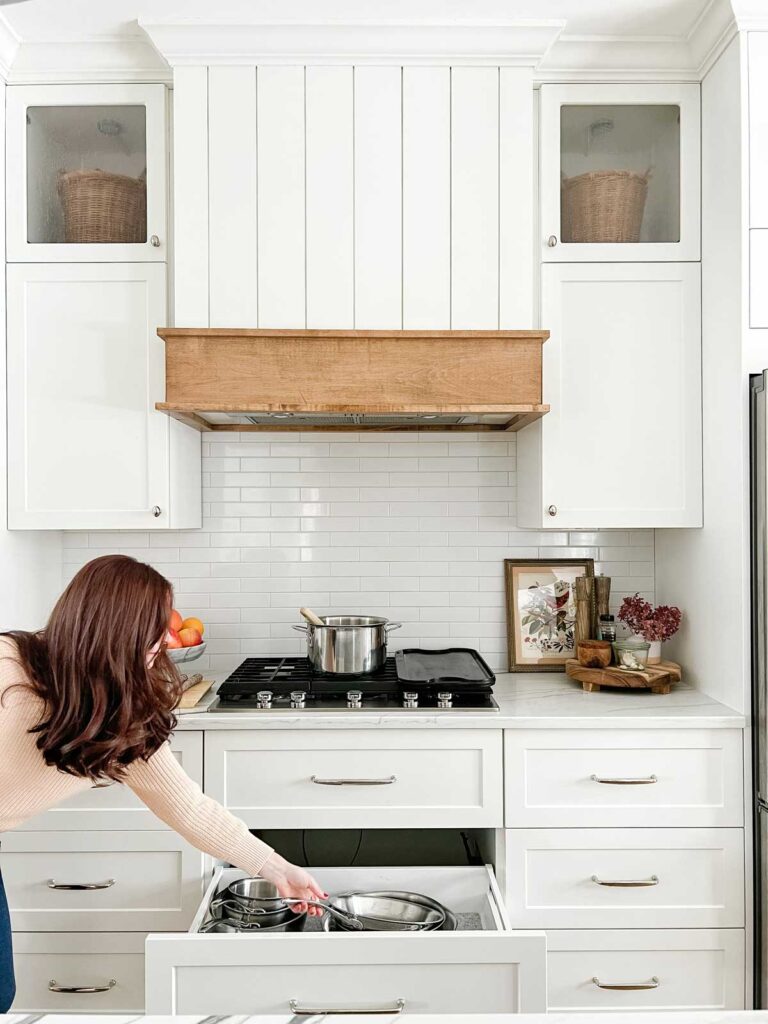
(656, 678)
(192, 697)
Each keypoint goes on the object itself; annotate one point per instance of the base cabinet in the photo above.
(64, 972)
(590, 971)
(488, 969)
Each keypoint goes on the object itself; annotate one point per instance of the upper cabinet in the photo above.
(620, 173)
(86, 173)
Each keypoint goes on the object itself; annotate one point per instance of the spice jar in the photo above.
(606, 628)
(631, 654)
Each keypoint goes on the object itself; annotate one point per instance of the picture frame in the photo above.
(541, 611)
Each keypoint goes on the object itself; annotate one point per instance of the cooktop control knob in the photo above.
(264, 698)
(445, 700)
(410, 700)
(298, 699)
(354, 699)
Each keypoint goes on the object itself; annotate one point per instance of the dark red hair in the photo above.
(105, 707)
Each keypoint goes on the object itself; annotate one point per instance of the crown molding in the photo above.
(9, 45)
(497, 42)
(128, 59)
(751, 15)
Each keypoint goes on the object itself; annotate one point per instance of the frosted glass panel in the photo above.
(620, 173)
(86, 174)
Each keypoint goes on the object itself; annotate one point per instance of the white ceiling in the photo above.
(57, 20)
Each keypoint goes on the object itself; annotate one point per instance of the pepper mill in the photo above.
(582, 629)
(602, 598)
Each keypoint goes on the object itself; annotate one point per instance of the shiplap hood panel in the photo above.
(229, 379)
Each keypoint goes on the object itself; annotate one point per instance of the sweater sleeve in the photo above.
(163, 785)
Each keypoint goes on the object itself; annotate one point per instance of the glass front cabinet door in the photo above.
(620, 173)
(86, 173)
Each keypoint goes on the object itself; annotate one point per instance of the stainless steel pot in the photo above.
(348, 645)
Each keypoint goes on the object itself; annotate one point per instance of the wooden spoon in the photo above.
(310, 616)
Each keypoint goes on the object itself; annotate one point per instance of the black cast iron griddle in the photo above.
(439, 668)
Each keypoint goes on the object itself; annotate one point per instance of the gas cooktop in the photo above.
(289, 684)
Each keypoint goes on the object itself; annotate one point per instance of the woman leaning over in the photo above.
(89, 699)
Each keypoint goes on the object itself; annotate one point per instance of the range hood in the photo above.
(251, 380)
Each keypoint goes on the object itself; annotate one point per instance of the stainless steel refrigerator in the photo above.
(759, 504)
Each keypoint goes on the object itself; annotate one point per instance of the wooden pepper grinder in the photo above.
(602, 598)
(582, 629)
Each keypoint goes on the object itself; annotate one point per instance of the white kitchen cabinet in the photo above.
(100, 881)
(113, 806)
(758, 130)
(488, 970)
(620, 173)
(621, 445)
(625, 878)
(650, 969)
(408, 778)
(87, 449)
(87, 173)
(73, 972)
(630, 778)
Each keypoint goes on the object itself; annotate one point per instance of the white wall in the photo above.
(706, 571)
(30, 562)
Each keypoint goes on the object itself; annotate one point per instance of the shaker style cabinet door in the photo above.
(86, 448)
(86, 173)
(620, 172)
(621, 445)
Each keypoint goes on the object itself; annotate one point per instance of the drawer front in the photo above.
(141, 880)
(758, 269)
(405, 778)
(624, 777)
(672, 878)
(117, 807)
(673, 970)
(74, 961)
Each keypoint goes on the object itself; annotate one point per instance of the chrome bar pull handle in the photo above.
(630, 986)
(629, 884)
(647, 781)
(80, 886)
(353, 782)
(54, 986)
(311, 1010)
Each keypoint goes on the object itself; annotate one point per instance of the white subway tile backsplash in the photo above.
(412, 526)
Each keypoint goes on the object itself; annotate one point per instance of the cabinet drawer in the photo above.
(623, 777)
(79, 961)
(695, 970)
(671, 878)
(115, 806)
(405, 778)
(144, 880)
(758, 272)
(489, 970)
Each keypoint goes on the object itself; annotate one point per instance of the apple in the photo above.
(173, 640)
(176, 621)
(190, 637)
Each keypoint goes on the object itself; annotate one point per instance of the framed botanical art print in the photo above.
(541, 611)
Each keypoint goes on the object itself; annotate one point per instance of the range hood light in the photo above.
(281, 415)
(428, 416)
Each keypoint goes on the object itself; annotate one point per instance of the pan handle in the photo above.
(390, 626)
(300, 629)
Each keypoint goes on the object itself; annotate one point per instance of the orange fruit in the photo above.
(193, 623)
(175, 622)
(190, 637)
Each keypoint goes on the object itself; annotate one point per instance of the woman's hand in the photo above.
(293, 883)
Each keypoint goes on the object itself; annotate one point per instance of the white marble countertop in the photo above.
(662, 1017)
(528, 700)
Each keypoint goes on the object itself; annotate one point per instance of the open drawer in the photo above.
(485, 968)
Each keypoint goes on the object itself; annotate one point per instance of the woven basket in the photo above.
(604, 206)
(103, 207)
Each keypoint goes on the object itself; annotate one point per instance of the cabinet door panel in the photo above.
(622, 373)
(86, 448)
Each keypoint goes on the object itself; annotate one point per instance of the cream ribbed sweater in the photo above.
(28, 785)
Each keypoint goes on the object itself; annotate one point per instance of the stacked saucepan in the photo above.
(254, 905)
